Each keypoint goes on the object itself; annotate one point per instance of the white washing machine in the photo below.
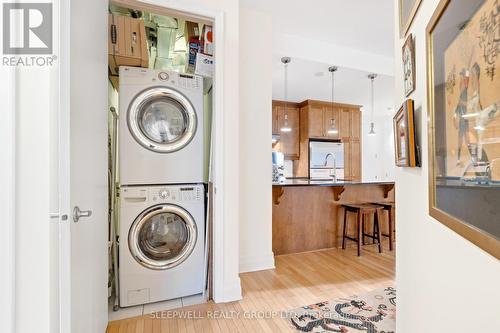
(162, 243)
(161, 127)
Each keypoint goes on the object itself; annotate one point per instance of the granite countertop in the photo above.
(318, 182)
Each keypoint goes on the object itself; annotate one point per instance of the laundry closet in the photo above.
(161, 67)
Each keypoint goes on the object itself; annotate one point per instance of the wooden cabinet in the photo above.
(315, 123)
(331, 122)
(356, 124)
(347, 159)
(316, 120)
(276, 130)
(287, 115)
(356, 160)
(322, 119)
(345, 123)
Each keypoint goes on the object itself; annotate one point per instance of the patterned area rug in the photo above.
(374, 312)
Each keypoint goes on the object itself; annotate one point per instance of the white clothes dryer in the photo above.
(161, 137)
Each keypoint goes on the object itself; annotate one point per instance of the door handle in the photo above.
(77, 213)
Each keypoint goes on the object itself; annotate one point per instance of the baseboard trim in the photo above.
(253, 264)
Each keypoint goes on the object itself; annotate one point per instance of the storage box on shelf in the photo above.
(127, 43)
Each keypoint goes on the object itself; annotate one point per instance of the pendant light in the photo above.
(372, 124)
(333, 126)
(286, 127)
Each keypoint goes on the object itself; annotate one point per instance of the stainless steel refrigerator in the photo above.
(326, 160)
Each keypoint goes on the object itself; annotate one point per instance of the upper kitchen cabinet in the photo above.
(276, 130)
(286, 124)
(345, 123)
(324, 120)
(356, 124)
(314, 115)
(328, 121)
(331, 122)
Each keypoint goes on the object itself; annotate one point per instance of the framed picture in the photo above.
(405, 148)
(407, 11)
(409, 65)
(463, 45)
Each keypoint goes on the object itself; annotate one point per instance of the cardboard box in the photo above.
(207, 40)
(191, 31)
(194, 49)
(127, 43)
(204, 65)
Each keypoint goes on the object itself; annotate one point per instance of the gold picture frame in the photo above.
(405, 148)
(411, 7)
(456, 201)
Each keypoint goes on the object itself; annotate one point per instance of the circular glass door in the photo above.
(162, 237)
(162, 119)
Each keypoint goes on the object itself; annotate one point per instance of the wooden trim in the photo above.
(476, 236)
(314, 102)
(283, 103)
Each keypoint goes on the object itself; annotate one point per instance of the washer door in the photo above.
(162, 237)
(162, 119)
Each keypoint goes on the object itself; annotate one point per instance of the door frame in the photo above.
(223, 290)
(7, 198)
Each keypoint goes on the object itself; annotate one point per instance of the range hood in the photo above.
(276, 138)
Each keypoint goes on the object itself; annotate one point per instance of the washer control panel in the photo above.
(181, 193)
(163, 76)
(141, 76)
(164, 193)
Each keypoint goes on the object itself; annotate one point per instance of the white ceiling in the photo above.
(311, 80)
(366, 25)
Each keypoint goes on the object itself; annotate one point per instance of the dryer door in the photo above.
(162, 119)
(162, 236)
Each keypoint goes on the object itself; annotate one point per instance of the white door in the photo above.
(84, 164)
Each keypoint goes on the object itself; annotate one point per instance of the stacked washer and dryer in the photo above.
(162, 195)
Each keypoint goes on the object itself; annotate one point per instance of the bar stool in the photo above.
(362, 211)
(389, 207)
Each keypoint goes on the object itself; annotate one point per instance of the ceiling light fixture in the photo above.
(333, 127)
(286, 127)
(372, 124)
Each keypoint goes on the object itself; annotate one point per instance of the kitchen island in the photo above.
(307, 214)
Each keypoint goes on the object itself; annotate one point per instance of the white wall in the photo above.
(445, 283)
(377, 151)
(331, 53)
(255, 141)
(7, 198)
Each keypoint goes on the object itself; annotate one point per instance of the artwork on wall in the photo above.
(405, 147)
(407, 11)
(409, 65)
(463, 40)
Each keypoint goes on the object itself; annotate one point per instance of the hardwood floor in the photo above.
(299, 279)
